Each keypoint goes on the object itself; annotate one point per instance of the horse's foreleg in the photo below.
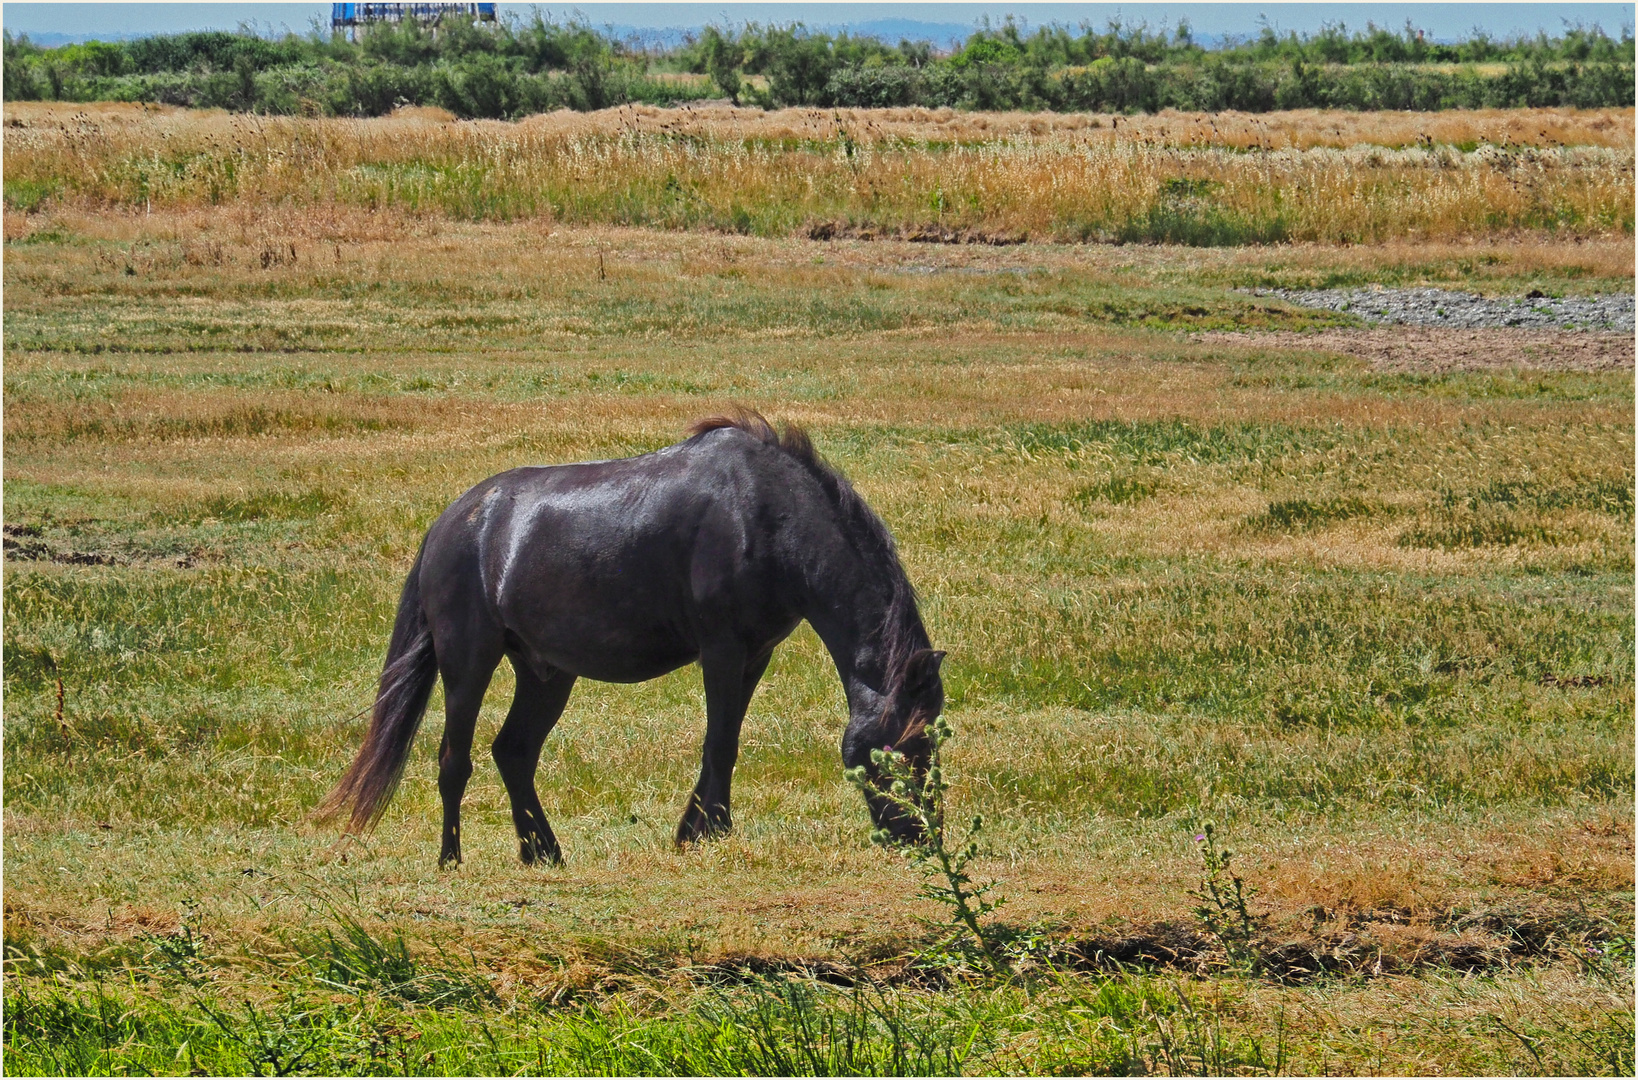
(730, 679)
(463, 697)
(516, 750)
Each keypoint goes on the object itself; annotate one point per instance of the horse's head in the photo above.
(913, 702)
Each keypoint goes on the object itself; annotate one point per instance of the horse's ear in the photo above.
(922, 669)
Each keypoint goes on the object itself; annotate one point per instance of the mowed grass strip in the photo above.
(1378, 628)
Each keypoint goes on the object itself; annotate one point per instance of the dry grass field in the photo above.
(1178, 178)
(1195, 554)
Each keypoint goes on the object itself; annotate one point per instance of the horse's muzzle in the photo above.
(900, 824)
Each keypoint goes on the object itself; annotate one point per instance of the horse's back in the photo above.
(619, 569)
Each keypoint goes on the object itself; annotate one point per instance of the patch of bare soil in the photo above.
(915, 234)
(1437, 350)
(23, 543)
(1323, 941)
(1366, 944)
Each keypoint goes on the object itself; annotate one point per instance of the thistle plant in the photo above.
(1223, 896)
(921, 797)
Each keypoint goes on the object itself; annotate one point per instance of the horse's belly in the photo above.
(613, 663)
(600, 630)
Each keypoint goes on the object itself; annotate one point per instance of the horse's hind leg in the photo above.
(535, 709)
(466, 673)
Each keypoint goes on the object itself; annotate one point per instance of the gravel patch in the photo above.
(1437, 350)
(1444, 307)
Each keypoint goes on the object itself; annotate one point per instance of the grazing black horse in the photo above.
(712, 550)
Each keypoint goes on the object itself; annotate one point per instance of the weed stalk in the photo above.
(921, 796)
(1222, 899)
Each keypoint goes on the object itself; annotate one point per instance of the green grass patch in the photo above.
(27, 196)
(1305, 515)
(1121, 490)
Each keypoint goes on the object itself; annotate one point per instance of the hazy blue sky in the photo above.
(937, 22)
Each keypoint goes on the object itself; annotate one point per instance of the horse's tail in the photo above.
(401, 701)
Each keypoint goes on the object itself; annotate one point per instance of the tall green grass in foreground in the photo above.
(1375, 626)
(743, 1025)
(733, 1024)
(764, 1027)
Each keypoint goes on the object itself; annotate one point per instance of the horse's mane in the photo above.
(902, 625)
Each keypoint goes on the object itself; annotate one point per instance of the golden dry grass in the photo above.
(1297, 129)
(1308, 176)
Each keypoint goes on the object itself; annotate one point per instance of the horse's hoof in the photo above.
(530, 854)
(693, 830)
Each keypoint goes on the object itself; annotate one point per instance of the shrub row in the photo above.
(1129, 85)
(479, 87)
(525, 67)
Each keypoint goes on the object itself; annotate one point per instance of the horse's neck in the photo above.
(860, 640)
(851, 589)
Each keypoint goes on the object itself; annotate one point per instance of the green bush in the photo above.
(520, 67)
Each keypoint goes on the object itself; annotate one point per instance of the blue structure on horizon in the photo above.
(352, 17)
